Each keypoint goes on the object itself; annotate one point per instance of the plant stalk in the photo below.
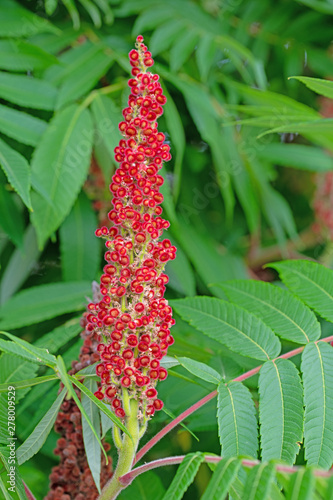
(126, 454)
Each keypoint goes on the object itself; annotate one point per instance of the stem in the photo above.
(128, 478)
(28, 492)
(126, 455)
(210, 396)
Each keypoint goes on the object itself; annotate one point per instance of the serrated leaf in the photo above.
(138, 489)
(287, 316)
(317, 370)
(223, 477)
(185, 476)
(200, 370)
(311, 282)
(205, 54)
(165, 34)
(91, 446)
(80, 249)
(178, 140)
(11, 219)
(280, 410)
(27, 91)
(20, 265)
(17, 170)
(182, 49)
(16, 21)
(19, 55)
(36, 354)
(37, 304)
(227, 323)
(151, 18)
(308, 158)
(59, 167)
(301, 486)
(25, 128)
(100, 405)
(318, 85)
(19, 486)
(259, 482)
(83, 78)
(238, 428)
(38, 437)
(180, 273)
(60, 336)
(27, 383)
(106, 117)
(67, 380)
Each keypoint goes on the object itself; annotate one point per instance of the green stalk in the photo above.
(126, 454)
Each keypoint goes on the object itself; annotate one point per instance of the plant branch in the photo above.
(28, 492)
(126, 479)
(207, 398)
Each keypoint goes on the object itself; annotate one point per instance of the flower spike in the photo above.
(133, 319)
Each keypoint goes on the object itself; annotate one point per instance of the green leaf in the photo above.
(16, 21)
(227, 323)
(37, 304)
(200, 370)
(67, 381)
(301, 486)
(23, 384)
(27, 91)
(83, 78)
(60, 336)
(80, 249)
(317, 370)
(185, 476)
(21, 263)
(180, 273)
(59, 167)
(287, 316)
(11, 219)
(223, 477)
(151, 18)
(19, 486)
(278, 214)
(259, 482)
(317, 131)
(236, 417)
(298, 156)
(38, 437)
(36, 354)
(280, 411)
(18, 55)
(205, 55)
(312, 282)
(165, 34)
(182, 49)
(138, 489)
(178, 140)
(106, 116)
(17, 170)
(318, 85)
(100, 405)
(25, 128)
(91, 446)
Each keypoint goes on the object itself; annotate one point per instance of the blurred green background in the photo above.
(237, 197)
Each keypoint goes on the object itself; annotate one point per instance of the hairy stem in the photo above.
(207, 398)
(126, 454)
(128, 478)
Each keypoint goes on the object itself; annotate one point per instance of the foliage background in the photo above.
(235, 200)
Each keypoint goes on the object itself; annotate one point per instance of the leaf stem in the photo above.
(126, 479)
(207, 398)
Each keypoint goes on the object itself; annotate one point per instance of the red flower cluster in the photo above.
(133, 319)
